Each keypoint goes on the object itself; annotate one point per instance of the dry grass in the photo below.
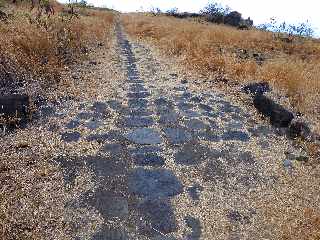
(34, 201)
(41, 47)
(292, 68)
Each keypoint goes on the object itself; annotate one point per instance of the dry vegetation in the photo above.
(37, 48)
(33, 53)
(228, 53)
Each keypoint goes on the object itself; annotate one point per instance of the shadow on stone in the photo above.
(153, 184)
(159, 214)
(177, 135)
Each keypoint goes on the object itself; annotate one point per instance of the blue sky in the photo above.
(291, 11)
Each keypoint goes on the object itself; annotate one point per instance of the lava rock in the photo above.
(177, 135)
(145, 136)
(72, 124)
(148, 160)
(257, 88)
(14, 107)
(279, 116)
(70, 136)
(159, 214)
(153, 184)
(299, 129)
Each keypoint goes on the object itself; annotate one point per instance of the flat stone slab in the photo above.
(163, 102)
(138, 112)
(191, 154)
(113, 148)
(185, 106)
(177, 135)
(137, 88)
(109, 204)
(236, 125)
(235, 136)
(196, 99)
(93, 124)
(111, 233)
(85, 115)
(114, 104)
(138, 121)
(148, 160)
(138, 103)
(99, 107)
(195, 226)
(106, 166)
(147, 136)
(71, 136)
(195, 192)
(190, 113)
(159, 214)
(146, 149)
(196, 125)
(138, 94)
(153, 184)
(72, 124)
(169, 118)
(205, 107)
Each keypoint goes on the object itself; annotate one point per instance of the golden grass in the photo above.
(43, 46)
(213, 49)
(33, 197)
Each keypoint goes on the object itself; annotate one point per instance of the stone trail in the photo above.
(152, 133)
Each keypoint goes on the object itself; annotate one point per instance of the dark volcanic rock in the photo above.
(14, 107)
(257, 88)
(159, 214)
(195, 191)
(236, 136)
(177, 135)
(233, 18)
(153, 184)
(138, 103)
(138, 121)
(299, 129)
(195, 225)
(146, 136)
(72, 124)
(279, 116)
(169, 118)
(138, 94)
(111, 233)
(113, 148)
(109, 204)
(70, 136)
(191, 154)
(148, 160)
(99, 107)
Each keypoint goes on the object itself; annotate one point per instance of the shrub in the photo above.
(303, 29)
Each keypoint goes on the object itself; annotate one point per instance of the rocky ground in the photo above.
(147, 153)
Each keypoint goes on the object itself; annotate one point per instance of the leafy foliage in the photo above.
(215, 8)
(301, 29)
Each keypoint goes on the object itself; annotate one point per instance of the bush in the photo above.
(301, 29)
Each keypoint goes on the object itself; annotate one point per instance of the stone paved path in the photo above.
(168, 147)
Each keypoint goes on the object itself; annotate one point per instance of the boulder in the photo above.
(299, 128)
(14, 108)
(233, 18)
(279, 116)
